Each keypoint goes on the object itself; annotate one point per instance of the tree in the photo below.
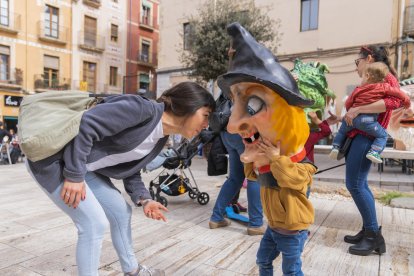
(205, 52)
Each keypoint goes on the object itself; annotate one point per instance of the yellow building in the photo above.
(35, 51)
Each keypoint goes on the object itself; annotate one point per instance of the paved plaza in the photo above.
(36, 238)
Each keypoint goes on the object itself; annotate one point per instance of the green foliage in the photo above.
(207, 57)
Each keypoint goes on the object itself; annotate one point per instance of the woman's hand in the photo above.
(152, 209)
(73, 192)
(269, 149)
(352, 113)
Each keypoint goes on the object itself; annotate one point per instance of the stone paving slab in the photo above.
(36, 238)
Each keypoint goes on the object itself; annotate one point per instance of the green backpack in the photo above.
(50, 120)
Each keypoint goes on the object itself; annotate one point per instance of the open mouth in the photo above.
(252, 138)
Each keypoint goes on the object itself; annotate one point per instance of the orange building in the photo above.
(142, 47)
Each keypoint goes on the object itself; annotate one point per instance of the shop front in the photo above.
(9, 109)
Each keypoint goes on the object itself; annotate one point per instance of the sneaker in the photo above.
(253, 231)
(334, 153)
(213, 225)
(374, 156)
(146, 271)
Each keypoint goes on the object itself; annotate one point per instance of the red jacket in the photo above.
(370, 93)
(391, 103)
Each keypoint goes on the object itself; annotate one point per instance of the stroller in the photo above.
(177, 182)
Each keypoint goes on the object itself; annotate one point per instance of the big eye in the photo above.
(254, 105)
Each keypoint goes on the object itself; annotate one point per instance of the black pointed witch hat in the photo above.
(252, 62)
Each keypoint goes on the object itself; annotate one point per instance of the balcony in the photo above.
(91, 42)
(92, 3)
(147, 59)
(11, 24)
(97, 87)
(58, 36)
(11, 81)
(41, 83)
(409, 21)
(146, 23)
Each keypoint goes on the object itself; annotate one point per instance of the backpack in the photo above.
(219, 119)
(217, 162)
(50, 120)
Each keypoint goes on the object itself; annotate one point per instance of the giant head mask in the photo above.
(267, 102)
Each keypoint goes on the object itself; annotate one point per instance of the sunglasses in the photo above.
(358, 60)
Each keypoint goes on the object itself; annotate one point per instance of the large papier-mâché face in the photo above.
(260, 112)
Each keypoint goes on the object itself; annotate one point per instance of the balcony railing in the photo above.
(97, 87)
(409, 20)
(10, 24)
(146, 23)
(147, 58)
(92, 3)
(42, 83)
(91, 42)
(46, 33)
(12, 80)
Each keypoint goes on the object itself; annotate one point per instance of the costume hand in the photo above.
(153, 210)
(351, 115)
(73, 192)
(270, 150)
(332, 119)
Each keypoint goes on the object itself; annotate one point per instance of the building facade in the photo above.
(35, 51)
(142, 47)
(98, 45)
(331, 32)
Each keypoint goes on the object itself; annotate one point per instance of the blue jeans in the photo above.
(357, 169)
(368, 124)
(103, 203)
(291, 247)
(235, 147)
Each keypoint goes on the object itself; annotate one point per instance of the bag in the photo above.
(344, 149)
(50, 120)
(219, 119)
(217, 159)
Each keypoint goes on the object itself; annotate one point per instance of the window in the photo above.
(51, 22)
(146, 15)
(4, 63)
(309, 17)
(50, 72)
(90, 31)
(187, 36)
(4, 12)
(114, 33)
(143, 82)
(89, 75)
(113, 74)
(145, 51)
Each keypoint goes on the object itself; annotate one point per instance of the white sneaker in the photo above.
(334, 154)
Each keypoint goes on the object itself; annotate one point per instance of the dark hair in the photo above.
(378, 53)
(185, 98)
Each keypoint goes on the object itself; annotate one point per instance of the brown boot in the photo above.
(213, 225)
(253, 231)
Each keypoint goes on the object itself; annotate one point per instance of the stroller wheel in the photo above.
(163, 201)
(192, 194)
(203, 198)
